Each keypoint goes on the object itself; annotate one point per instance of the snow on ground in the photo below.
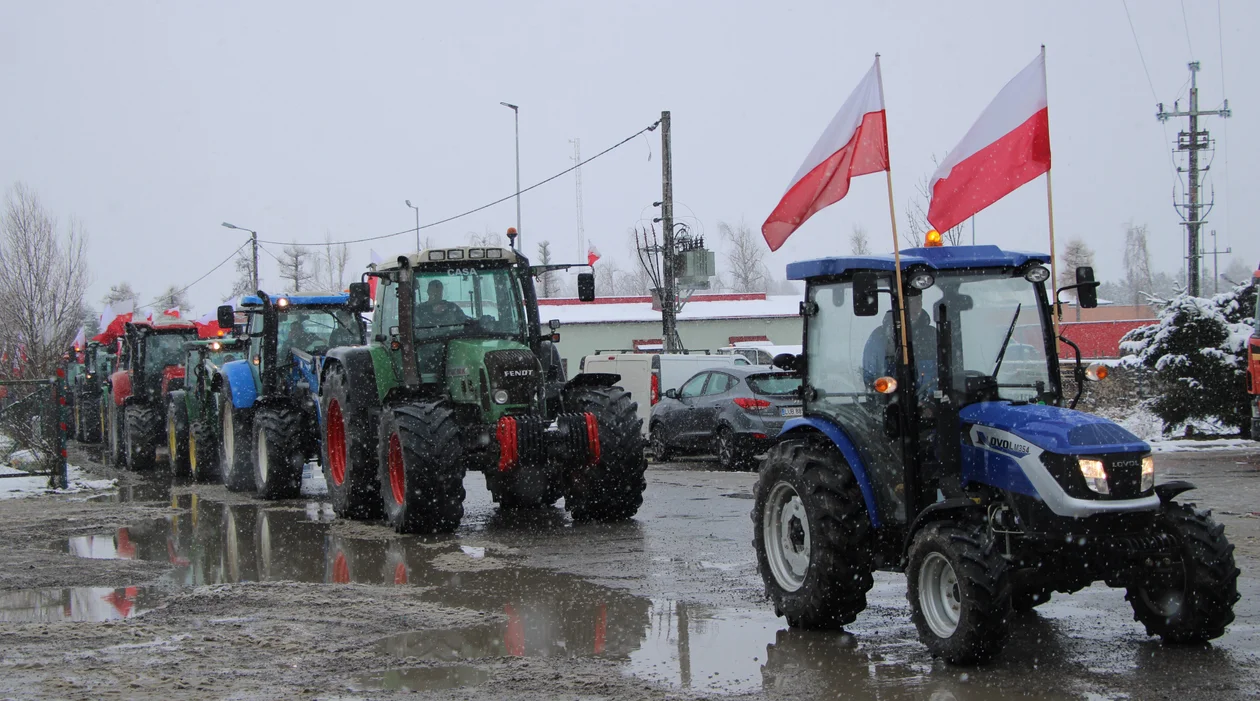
(1144, 424)
(1182, 446)
(20, 487)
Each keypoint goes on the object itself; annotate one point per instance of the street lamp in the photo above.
(409, 204)
(253, 240)
(516, 118)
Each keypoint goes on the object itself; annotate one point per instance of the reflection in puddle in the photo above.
(74, 604)
(422, 678)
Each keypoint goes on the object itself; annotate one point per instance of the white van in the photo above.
(759, 352)
(647, 376)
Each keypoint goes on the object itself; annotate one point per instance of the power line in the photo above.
(484, 206)
(203, 277)
(1185, 23)
(1172, 165)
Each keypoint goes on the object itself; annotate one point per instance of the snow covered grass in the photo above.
(20, 487)
(1143, 423)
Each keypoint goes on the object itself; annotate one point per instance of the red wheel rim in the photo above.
(336, 443)
(397, 477)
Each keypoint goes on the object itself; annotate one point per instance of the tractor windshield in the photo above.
(998, 331)
(165, 349)
(478, 301)
(314, 329)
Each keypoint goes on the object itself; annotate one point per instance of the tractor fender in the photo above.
(1169, 490)
(593, 379)
(238, 376)
(120, 387)
(357, 361)
(796, 428)
(942, 510)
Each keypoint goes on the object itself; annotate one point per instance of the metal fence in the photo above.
(33, 416)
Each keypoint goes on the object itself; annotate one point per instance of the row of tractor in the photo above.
(934, 435)
(435, 364)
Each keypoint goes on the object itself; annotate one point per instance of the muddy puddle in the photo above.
(75, 604)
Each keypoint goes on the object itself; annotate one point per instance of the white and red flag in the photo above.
(376, 260)
(854, 143)
(1008, 146)
(592, 254)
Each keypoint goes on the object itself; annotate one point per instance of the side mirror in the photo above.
(226, 316)
(785, 361)
(671, 393)
(586, 287)
(1087, 293)
(360, 297)
(865, 294)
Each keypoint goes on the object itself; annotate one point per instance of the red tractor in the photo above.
(150, 366)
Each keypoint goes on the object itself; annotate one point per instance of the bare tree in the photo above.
(1137, 265)
(486, 238)
(917, 211)
(746, 258)
(330, 265)
(243, 284)
(42, 278)
(859, 245)
(547, 282)
(173, 297)
(1237, 272)
(121, 292)
(295, 267)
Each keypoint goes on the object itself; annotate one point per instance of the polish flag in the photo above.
(80, 339)
(1008, 146)
(376, 263)
(855, 143)
(592, 254)
(173, 311)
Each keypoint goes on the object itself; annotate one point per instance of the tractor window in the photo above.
(316, 330)
(162, 350)
(846, 354)
(481, 300)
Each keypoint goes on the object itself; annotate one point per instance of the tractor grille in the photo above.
(516, 371)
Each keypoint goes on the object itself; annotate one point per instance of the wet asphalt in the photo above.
(673, 595)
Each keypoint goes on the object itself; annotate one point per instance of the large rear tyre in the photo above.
(349, 447)
(89, 412)
(812, 535)
(277, 453)
(1197, 603)
(143, 430)
(203, 452)
(959, 591)
(421, 466)
(114, 414)
(235, 449)
(612, 488)
(177, 434)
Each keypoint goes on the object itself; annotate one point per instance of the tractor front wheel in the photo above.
(348, 449)
(89, 418)
(960, 592)
(277, 453)
(142, 433)
(203, 456)
(235, 454)
(177, 434)
(1197, 603)
(812, 535)
(421, 468)
(612, 488)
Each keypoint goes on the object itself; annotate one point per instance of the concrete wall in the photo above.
(578, 340)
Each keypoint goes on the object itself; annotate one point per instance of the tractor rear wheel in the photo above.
(114, 414)
(89, 410)
(1196, 605)
(203, 455)
(235, 453)
(177, 434)
(348, 448)
(277, 453)
(812, 535)
(612, 488)
(960, 592)
(421, 467)
(143, 429)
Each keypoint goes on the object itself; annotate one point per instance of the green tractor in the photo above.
(459, 375)
(191, 413)
(85, 387)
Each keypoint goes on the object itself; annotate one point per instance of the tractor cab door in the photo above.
(846, 354)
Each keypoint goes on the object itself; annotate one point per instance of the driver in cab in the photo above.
(436, 311)
(879, 357)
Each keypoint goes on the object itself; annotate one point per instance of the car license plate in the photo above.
(790, 411)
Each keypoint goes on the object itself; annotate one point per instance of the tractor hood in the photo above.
(1055, 430)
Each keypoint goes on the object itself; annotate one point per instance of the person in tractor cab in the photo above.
(299, 337)
(879, 355)
(436, 311)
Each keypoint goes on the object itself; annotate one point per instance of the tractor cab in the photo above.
(152, 357)
(937, 440)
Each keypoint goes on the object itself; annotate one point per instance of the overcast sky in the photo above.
(154, 122)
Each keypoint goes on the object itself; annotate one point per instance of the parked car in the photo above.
(733, 412)
(652, 374)
(759, 352)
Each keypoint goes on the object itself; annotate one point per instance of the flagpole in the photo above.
(1054, 276)
(892, 215)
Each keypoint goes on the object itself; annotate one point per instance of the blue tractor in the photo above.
(945, 448)
(268, 408)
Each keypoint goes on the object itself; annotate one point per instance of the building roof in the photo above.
(700, 307)
(939, 258)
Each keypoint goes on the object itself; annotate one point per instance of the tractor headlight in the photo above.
(1148, 473)
(1037, 273)
(500, 396)
(1095, 475)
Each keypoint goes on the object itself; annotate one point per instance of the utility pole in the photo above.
(669, 294)
(253, 237)
(1216, 273)
(577, 177)
(1193, 142)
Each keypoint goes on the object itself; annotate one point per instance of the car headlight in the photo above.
(500, 396)
(1148, 473)
(1095, 475)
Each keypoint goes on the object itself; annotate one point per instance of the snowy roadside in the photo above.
(21, 487)
(1144, 424)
